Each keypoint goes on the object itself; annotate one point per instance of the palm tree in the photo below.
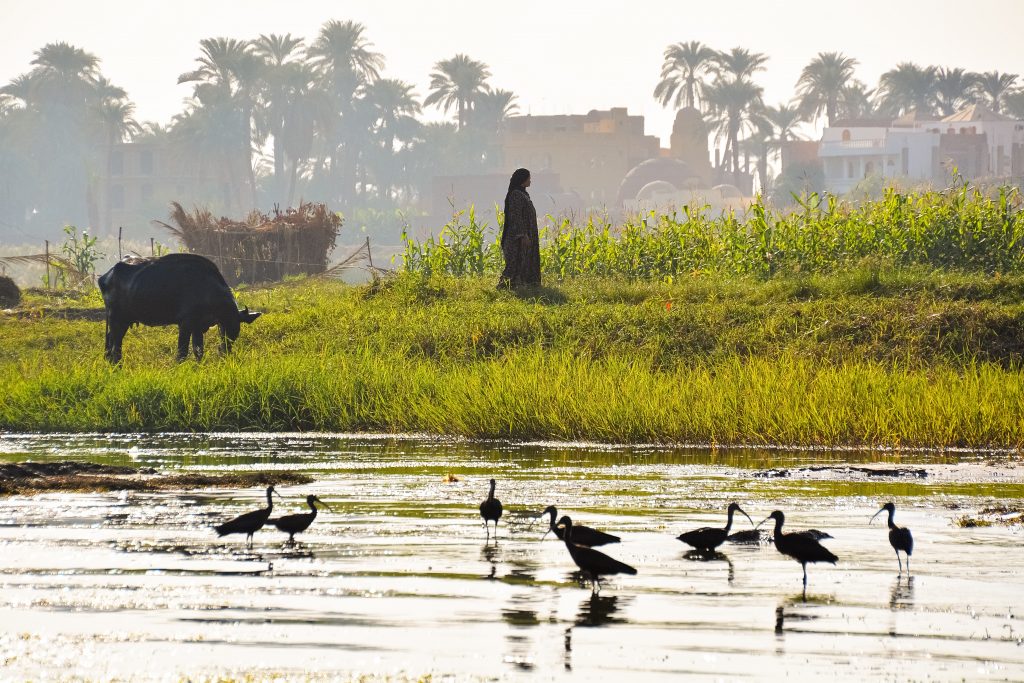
(346, 61)
(735, 104)
(908, 88)
(992, 88)
(856, 101)
(118, 124)
(231, 67)
(683, 74)
(60, 99)
(492, 107)
(283, 76)
(1015, 104)
(821, 83)
(208, 135)
(774, 127)
(394, 106)
(953, 89)
(740, 63)
(457, 82)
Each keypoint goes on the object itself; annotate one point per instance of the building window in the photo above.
(849, 169)
(146, 162)
(147, 192)
(116, 163)
(117, 197)
(846, 136)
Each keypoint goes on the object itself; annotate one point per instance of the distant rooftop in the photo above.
(976, 112)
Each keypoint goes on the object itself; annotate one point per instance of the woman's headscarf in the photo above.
(515, 183)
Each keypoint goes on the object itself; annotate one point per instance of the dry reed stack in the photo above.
(263, 247)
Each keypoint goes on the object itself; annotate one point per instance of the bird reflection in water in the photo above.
(597, 610)
(902, 593)
(796, 608)
(901, 598)
(489, 554)
(702, 556)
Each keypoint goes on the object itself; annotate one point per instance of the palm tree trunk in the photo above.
(279, 168)
(108, 224)
(293, 181)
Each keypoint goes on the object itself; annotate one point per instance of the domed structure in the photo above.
(653, 189)
(671, 171)
(728, 191)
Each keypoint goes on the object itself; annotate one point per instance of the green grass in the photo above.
(869, 356)
(961, 227)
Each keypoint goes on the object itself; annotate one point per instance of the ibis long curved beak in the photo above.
(324, 504)
(746, 515)
(278, 494)
(872, 520)
(758, 525)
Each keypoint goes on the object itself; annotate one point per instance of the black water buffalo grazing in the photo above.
(178, 289)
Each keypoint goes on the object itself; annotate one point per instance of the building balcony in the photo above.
(851, 147)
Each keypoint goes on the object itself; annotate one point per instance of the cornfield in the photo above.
(961, 228)
(263, 247)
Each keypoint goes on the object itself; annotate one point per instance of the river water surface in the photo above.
(399, 582)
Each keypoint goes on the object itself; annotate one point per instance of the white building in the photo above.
(976, 141)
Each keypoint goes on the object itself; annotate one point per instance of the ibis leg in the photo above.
(899, 561)
(805, 576)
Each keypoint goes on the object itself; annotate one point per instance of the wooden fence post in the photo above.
(152, 249)
(48, 282)
(119, 254)
(369, 254)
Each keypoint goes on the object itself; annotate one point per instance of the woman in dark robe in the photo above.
(520, 241)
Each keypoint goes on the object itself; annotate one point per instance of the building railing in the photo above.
(853, 144)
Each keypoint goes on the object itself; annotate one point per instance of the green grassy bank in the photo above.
(869, 356)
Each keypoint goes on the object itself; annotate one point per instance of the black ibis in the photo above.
(490, 510)
(593, 563)
(799, 545)
(900, 537)
(707, 538)
(250, 522)
(294, 524)
(748, 536)
(581, 535)
(758, 536)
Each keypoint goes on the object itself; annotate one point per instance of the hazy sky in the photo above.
(559, 56)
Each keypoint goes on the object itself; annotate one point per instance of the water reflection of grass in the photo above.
(921, 358)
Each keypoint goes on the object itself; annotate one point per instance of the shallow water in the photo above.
(399, 580)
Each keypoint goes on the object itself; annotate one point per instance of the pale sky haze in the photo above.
(558, 56)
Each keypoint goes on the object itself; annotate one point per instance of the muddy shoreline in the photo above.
(29, 478)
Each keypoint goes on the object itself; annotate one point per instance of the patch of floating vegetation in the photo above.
(996, 515)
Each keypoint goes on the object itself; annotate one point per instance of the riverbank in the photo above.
(871, 356)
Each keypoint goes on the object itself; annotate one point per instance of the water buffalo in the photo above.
(178, 289)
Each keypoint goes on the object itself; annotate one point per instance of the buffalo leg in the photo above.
(183, 336)
(115, 335)
(197, 342)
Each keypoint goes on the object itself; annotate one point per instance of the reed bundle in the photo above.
(263, 247)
